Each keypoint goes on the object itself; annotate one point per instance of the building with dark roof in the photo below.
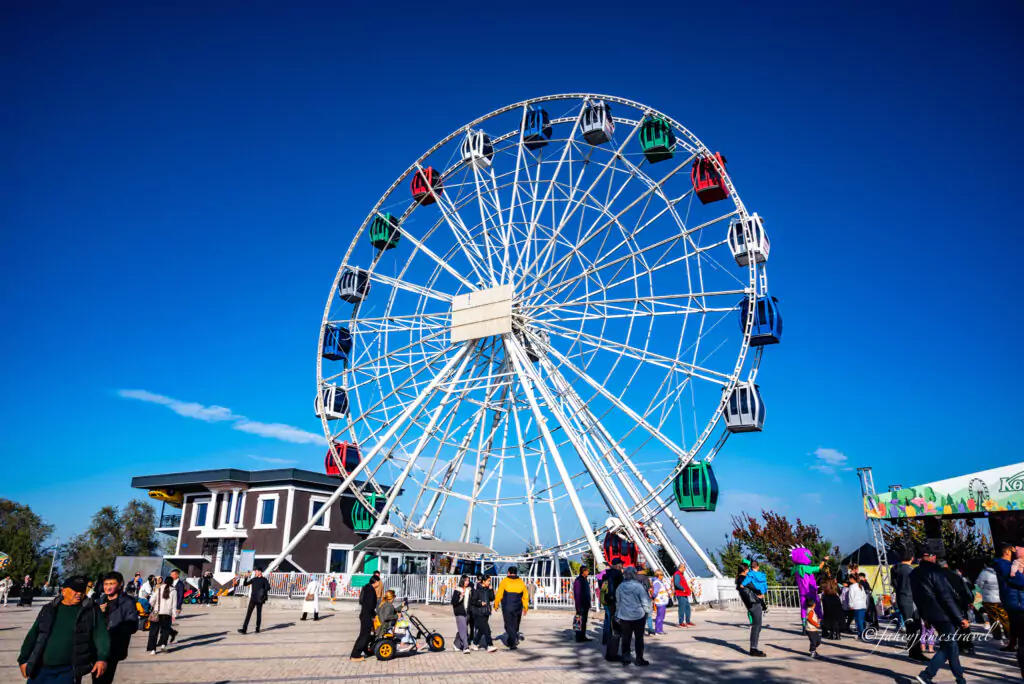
(215, 515)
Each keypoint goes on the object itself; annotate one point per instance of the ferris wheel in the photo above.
(544, 331)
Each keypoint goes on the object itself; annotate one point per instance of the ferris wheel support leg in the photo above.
(428, 432)
(361, 466)
(602, 479)
(517, 356)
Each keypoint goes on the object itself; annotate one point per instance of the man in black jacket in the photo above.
(257, 597)
(68, 639)
(367, 611)
(122, 621)
(936, 603)
(905, 603)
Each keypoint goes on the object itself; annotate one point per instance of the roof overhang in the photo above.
(417, 545)
(204, 480)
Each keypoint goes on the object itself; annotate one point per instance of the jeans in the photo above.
(55, 675)
(606, 629)
(633, 629)
(858, 617)
(815, 639)
(948, 650)
(755, 625)
(684, 608)
(659, 620)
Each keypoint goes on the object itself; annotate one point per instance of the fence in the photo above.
(782, 597)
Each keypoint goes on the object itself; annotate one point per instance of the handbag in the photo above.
(577, 623)
(310, 597)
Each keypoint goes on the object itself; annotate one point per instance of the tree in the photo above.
(729, 557)
(770, 541)
(966, 547)
(112, 532)
(23, 536)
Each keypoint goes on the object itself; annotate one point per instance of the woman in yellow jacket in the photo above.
(514, 600)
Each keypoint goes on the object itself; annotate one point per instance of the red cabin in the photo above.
(619, 547)
(707, 180)
(348, 454)
(422, 181)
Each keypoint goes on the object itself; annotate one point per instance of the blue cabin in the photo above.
(767, 327)
(536, 129)
(337, 342)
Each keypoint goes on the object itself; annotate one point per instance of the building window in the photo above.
(239, 503)
(227, 556)
(200, 510)
(318, 510)
(338, 561)
(266, 511)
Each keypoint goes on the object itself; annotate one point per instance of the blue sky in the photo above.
(180, 184)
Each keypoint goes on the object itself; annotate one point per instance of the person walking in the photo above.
(68, 639)
(204, 588)
(258, 595)
(582, 601)
(757, 584)
(6, 584)
(936, 604)
(367, 611)
(683, 593)
(632, 606)
(988, 585)
(25, 598)
(514, 600)
(164, 602)
(122, 622)
(311, 601)
(904, 594)
(179, 588)
(660, 589)
(857, 600)
(812, 627)
(480, 605)
(332, 587)
(963, 594)
(460, 609)
(1011, 584)
(644, 578)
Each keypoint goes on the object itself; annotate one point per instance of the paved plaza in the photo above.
(210, 651)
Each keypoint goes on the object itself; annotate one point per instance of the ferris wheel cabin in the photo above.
(348, 455)
(767, 328)
(477, 149)
(353, 285)
(363, 519)
(657, 139)
(707, 180)
(618, 547)
(337, 342)
(696, 488)
(331, 403)
(760, 246)
(744, 412)
(423, 181)
(536, 129)
(384, 232)
(596, 123)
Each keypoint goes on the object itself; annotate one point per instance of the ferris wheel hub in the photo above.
(482, 313)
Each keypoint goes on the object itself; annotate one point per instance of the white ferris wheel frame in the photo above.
(605, 460)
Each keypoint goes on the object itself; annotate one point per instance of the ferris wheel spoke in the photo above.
(376, 276)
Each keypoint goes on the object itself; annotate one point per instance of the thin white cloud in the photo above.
(270, 459)
(830, 462)
(217, 414)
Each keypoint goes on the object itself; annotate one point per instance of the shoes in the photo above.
(257, 630)
(357, 658)
(242, 631)
(758, 654)
(513, 647)
(303, 618)
(690, 624)
(643, 663)
(812, 654)
(163, 649)
(465, 650)
(922, 680)
(174, 635)
(151, 652)
(492, 649)
(474, 647)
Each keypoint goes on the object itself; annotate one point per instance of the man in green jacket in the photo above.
(68, 639)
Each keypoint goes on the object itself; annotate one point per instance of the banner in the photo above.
(245, 561)
(991, 491)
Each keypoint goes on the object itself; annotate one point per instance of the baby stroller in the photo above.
(404, 637)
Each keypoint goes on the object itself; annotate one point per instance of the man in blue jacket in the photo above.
(1011, 591)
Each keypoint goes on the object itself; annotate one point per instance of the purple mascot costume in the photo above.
(803, 573)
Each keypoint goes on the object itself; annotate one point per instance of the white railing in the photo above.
(782, 597)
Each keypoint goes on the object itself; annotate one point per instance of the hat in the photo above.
(746, 561)
(76, 583)
(933, 547)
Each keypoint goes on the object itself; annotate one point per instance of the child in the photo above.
(928, 638)
(812, 626)
(832, 607)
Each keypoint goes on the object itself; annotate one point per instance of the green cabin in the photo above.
(696, 488)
